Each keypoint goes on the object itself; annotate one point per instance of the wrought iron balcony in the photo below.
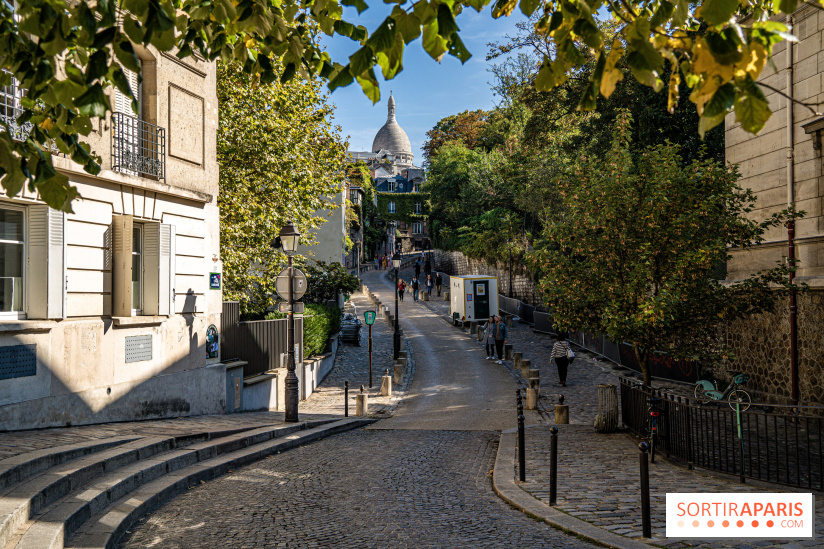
(10, 110)
(138, 148)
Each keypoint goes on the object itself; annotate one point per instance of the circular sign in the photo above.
(298, 284)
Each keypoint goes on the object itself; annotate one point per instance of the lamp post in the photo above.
(396, 337)
(509, 240)
(289, 238)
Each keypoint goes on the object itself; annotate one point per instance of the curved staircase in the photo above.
(87, 495)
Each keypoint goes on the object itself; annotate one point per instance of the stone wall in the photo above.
(456, 263)
(762, 348)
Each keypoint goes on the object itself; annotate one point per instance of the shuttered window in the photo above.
(122, 103)
(143, 267)
(44, 280)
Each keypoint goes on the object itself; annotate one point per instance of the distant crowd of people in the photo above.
(431, 282)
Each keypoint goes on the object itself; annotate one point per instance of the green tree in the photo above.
(634, 246)
(67, 54)
(466, 127)
(279, 157)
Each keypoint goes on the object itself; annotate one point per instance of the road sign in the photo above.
(283, 307)
(369, 316)
(298, 284)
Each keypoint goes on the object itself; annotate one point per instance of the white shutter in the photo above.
(172, 268)
(122, 103)
(121, 265)
(157, 282)
(45, 282)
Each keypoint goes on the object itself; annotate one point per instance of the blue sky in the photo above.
(425, 91)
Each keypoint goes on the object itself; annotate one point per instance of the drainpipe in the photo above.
(791, 223)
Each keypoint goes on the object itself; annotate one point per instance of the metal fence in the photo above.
(261, 343)
(783, 446)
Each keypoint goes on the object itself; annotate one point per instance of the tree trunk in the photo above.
(642, 356)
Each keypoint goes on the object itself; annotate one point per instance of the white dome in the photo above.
(391, 136)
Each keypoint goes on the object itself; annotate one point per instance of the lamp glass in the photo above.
(289, 243)
(396, 261)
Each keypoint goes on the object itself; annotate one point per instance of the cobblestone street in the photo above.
(370, 488)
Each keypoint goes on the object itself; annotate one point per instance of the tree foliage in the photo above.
(634, 245)
(466, 127)
(279, 157)
(67, 54)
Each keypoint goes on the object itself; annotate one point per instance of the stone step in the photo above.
(37, 493)
(104, 529)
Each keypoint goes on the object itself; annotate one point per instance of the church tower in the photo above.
(393, 139)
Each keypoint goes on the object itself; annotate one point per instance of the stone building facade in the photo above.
(783, 165)
(110, 313)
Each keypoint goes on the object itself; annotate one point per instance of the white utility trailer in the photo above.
(473, 298)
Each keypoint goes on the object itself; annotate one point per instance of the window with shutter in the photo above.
(158, 260)
(122, 240)
(44, 280)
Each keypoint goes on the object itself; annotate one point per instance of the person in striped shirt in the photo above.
(559, 353)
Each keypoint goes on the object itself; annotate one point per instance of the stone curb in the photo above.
(503, 482)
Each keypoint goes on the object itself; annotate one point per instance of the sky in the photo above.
(425, 91)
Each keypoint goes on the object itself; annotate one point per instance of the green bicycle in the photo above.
(706, 391)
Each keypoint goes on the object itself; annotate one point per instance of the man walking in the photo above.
(417, 268)
(438, 283)
(500, 339)
(415, 287)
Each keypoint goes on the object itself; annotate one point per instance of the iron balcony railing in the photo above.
(10, 110)
(138, 148)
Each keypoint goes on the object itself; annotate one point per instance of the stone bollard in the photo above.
(508, 321)
(531, 399)
(446, 296)
(480, 335)
(516, 357)
(361, 403)
(386, 384)
(402, 360)
(473, 326)
(526, 366)
(561, 412)
(508, 351)
(426, 296)
(400, 369)
(402, 354)
(535, 380)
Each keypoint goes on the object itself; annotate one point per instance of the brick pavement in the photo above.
(598, 482)
(352, 364)
(367, 488)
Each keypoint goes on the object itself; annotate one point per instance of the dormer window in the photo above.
(391, 186)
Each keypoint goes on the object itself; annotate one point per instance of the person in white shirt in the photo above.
(560, 354)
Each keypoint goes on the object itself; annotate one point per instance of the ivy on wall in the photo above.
(404, 206)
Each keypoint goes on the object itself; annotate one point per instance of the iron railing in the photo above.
(261, 343)
(138, 148)
(10, 110)
(784, 445)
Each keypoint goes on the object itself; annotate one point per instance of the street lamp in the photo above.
(289, 238)
(396, 337)
(509, 240)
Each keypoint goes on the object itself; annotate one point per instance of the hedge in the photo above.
(319, 324)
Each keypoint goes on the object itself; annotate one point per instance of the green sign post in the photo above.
(369, 316)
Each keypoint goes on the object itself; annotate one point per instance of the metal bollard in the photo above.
(518, 402)
(553, 466)
(645, 513)
(521, 444)
(346, 399)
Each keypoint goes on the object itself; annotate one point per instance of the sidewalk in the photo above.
(352, 364)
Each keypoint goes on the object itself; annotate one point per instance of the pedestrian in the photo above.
(427, 267)
(417, 268)
(401, 289)
(561, 353)
(438, 283)
(429, 285)
(489, 338)
(415, 287)
(500, 339)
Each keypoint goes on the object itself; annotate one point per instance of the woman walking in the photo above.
(560, 352)
(401, 289)
(489, 338)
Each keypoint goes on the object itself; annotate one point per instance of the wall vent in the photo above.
(138, 348)
(18, 361)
